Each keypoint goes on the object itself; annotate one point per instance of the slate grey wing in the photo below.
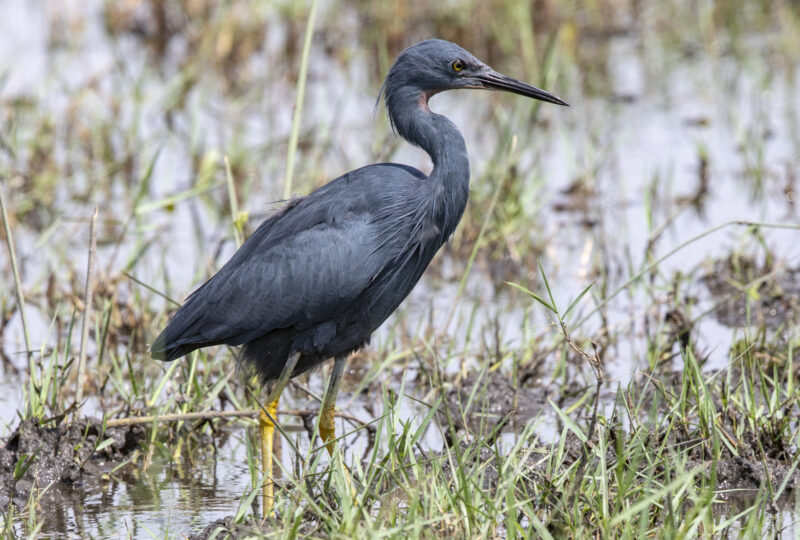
(297, 283)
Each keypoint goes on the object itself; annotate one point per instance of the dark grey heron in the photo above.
(314, 281)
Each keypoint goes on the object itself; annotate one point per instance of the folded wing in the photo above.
(279, 279)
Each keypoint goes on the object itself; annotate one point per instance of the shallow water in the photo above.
(637, 146)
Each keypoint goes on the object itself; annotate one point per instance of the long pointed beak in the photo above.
(497, 81)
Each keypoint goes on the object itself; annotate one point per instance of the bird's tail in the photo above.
(159, 350)
(178, 338)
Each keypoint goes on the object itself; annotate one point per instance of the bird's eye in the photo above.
(457, 65)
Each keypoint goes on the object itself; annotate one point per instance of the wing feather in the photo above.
(300, 268)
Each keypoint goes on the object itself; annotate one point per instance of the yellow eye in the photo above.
(457, 65)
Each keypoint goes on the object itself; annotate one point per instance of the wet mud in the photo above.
(489, 403)
(753, 294)
(38, 456)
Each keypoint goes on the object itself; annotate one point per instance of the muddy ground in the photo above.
(751, 293)
(62, 454)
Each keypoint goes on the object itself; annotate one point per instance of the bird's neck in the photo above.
(434, 133)
(440, 138)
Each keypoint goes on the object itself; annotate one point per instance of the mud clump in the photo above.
(743, 473)
(771, 301)
(40, 456)
(496, 405)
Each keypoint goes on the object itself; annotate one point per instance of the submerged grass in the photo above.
(451, 427)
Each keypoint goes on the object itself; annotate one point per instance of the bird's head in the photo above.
(435, 65)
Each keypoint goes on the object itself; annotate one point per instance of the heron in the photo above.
(316, 279)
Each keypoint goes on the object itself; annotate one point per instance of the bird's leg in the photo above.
(266, 424)
(327, 428)
(267, 429)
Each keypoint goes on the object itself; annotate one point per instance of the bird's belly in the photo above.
(346, 331)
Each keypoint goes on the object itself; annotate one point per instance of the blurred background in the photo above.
(683, 117)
